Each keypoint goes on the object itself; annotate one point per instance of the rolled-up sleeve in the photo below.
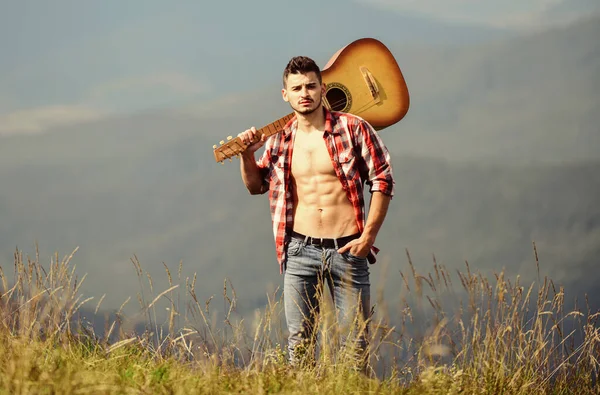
(377, 160)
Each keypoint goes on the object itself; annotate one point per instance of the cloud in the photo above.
(120, 95)
(512, 14)
(37, 120)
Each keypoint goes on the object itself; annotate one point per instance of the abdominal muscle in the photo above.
(321, 210)
(321, 207)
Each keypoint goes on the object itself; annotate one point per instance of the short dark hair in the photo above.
(301, 65)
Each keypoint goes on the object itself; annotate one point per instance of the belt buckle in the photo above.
(316, 241)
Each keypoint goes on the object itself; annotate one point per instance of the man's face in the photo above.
(303, 92)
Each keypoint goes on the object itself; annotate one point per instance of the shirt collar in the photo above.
(330, 120)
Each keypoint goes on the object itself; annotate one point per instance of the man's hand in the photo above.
(248, 136)
(358, 247)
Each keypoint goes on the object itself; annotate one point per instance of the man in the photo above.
(315, 171)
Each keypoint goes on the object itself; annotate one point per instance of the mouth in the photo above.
(305, 102)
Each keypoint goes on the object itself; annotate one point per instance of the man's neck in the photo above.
(315, 121)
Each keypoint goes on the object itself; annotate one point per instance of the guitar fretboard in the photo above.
(275, 127)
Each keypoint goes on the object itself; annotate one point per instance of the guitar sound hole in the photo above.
(337, 99)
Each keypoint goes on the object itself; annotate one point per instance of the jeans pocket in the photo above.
(294, 247)
(353, 258)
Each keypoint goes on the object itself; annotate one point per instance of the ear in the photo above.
(284, 95)
(323, 89)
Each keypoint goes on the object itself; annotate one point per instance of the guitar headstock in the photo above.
(227, 150)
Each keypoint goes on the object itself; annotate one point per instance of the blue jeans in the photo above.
(307, 270)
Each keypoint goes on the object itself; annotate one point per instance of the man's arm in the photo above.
(379, 176)
(377, 212)
(252, 174)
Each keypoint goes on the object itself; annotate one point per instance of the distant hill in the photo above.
(529, 99)
(499, 149)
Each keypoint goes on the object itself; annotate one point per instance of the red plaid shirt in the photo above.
(358, 156)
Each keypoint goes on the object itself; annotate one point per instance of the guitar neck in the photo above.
(274, 127)
(235, 146)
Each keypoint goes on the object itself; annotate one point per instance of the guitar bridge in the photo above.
(371, 84)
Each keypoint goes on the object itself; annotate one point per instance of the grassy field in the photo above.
(484, 336)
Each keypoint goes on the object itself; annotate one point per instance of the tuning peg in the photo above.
(215, 146)
(229, 137)
(221, 142)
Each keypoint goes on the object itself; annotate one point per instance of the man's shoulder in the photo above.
(352, 123)
(349, 118)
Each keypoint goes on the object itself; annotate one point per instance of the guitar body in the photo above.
(363, 79)
(348, 91)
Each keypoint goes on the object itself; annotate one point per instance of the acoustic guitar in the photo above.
(362, 78)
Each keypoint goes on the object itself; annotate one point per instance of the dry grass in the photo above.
(486, 336)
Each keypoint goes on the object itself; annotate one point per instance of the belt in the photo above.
(325, 243)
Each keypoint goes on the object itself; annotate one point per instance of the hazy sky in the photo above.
(513, 14)
(65, 61)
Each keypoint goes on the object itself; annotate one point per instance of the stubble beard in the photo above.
(308, 111)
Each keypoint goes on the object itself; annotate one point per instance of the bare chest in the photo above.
(310, 156)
